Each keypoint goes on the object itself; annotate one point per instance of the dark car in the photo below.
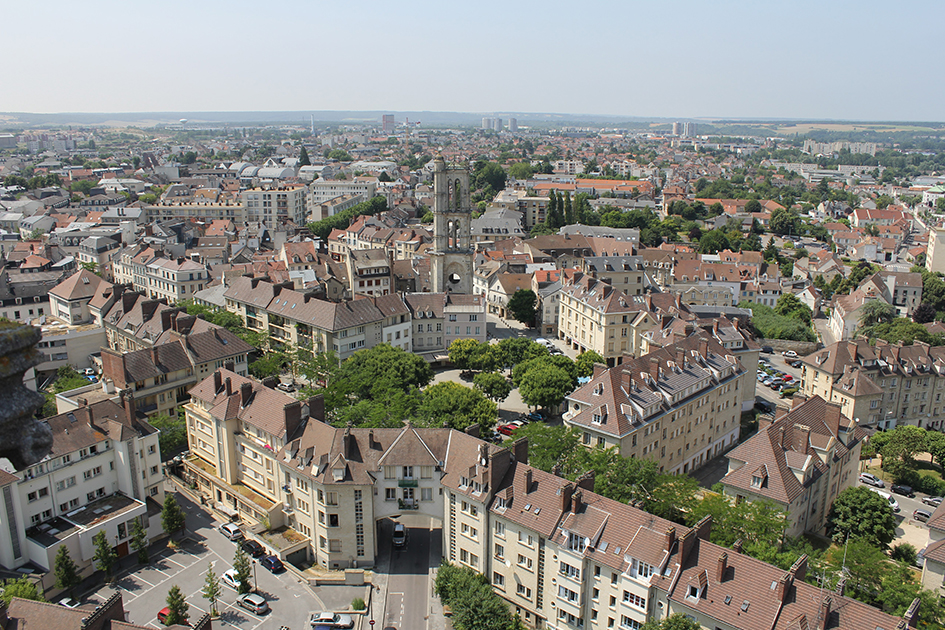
(253, 548)
(905, 491)
(767, 349)
(272, 563)
(535, 416)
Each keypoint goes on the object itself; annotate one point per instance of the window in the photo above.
(627, 622)
(332, 520)
(522, 590)
(634, 600)
(498, 579)
(31, 497)
(568, 570)
(499, 529)
(568, 594)
(499, 551)
(426, 494)
(390, 494)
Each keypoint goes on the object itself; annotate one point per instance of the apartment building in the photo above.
(439, 319)
(594, 315)
(679, 405)
(196, 210)
(370, 272)
(880, 386)
(800, 462)
(322, 190)
(935, 252)
(624, 273)
(933, 569)
(149, 271)
(103, 472)
(275, 205)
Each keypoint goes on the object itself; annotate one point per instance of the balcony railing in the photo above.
(408, 504)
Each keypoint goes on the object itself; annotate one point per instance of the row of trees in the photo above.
(789, 319)
(321, 229)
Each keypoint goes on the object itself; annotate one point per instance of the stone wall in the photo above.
(802, 348)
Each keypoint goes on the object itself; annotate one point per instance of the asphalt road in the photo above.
(408, 586)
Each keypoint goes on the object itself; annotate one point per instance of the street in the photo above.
(409, 588)
(908, 530)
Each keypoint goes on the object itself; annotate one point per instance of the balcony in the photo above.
(408, 483)
(408, 504)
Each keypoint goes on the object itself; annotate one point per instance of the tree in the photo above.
(494, 385)
(568, 211)
(211, 590)
(713, 241)
(515, 350)
(548, 445)
(789, 305)
(784, 221)
(105, 557)
(676, 621)
(139, 541)
(456, 406)
(876, 312)
(545, 386)
(303, 158)
(522, 306)
(67, 573)
(672, 497)
(903, 443)
(173, 433)
(521, 170)
(243, 571)
(753, 206)
(23, 588)
(859, 513)
(177, 607)
(585, 362)
(489, 174)
(923, 313)
(463, 353)
(173, 518)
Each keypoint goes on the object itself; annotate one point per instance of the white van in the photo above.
(892, 501)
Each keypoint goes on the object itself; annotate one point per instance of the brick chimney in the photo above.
(113, 367)
(154, 356)
(799, 568)
(217, 379)
(228, 385)
(166, 319)
(825, 606)
(721, 567)
(246, 392)
(566, 491)
(229, 365)
(704, 347)
(128, 299)
(654, 368)
(577, 501)
(129, 404)
(784, 587)
(737, 546)
(680, 358)
(686, 541)
(473, 430)
(704, 527)
(669, 539)
(316, 407)
(346, 442)
(586, 481)
(527, 481)
(599, 368)
(292, 413)
(520, 450)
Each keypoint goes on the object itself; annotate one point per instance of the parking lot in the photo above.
(144, 589)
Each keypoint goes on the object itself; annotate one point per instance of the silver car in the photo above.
(332, 620)
(253, 603)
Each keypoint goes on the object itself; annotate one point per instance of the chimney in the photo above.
(686, 542)
(229, 365)
(217, 381)
(784, 587)
(316, 407)
(128, 299)
(292, 413)
(704, 527)
(704, 347)
(129, 404)
(737, 546)
(721, 568)
(799, 568)
(654, 368)
(228, 385)
(556, 470)
(680, 358)
(566, 491)
(269, 382)
(246, 392)
(586, 481)
(577, 503)
(689, 329)
(669, 539)
(599, 368)
(473, 430)
(715, 326)
(527, 481)
(154, 356)
(346, 442)
(520, 450)
(825, 612)
(166, 319)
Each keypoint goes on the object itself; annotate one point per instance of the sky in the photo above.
(833, 59)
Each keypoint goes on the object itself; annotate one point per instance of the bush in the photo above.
(770, 325)
(358, 604)
(905, 553)
(929, 485)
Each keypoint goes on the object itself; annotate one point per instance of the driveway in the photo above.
(408, 604)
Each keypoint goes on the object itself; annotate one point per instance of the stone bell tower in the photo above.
(451, 261)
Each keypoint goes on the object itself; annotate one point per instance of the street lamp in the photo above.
(254, 575)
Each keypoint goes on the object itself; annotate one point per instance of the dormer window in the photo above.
(756, 481)
(694, 592)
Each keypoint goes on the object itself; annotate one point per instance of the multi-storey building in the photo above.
(369, 272)
(321, 190)
(624, 273)
(276, 204)
(562, 556)
(157, 276)
(207, 211)
(800, 462)
(679, 405)
(103, 472)
(880, 386)
(439, 319)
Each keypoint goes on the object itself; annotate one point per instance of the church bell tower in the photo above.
(451, 261)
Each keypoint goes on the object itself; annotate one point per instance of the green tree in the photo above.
(464, 352)
(489, 175)
(514, 350)
(923, 313)
(374, 373)
(672, 497)
(585, 362)
(23, 588)
(548, 445)
(545, 386)
(211, 590)
(139, 541)
(173, 433)
(713, 241)
(784, 221)
(865, 566)
(789, 305)
(903, 443)
(303, 158)
(568, 211)
(676, 621)
(67, 573)
(521, 171)
(173, 518)
(177, 607)
(876, 312)
(494, 385)
(104, 557)
(244, 571)
(863, 515)
(522, 306)
(456, 406)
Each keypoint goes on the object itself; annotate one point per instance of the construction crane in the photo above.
(408, 127)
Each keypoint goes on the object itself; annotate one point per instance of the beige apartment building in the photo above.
(206, 211)
(935, 252)
(276, 204)
(880, 386)
(679, 405)
(560, 555)
(800, 462)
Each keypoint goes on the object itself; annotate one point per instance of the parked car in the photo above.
(399, 537)
(332, 620)
(162, 616)
(872, 480)
(789, 353)
(253, 548)
(921, 515)
(230, 579)
(787, 377)
(273, 563)
(88, 372)
(889, 498)
(767, 349)
(68, 602)
(795, 364)
(506, 429)
(535, 416)
(286, 387)
(905, 491)
(933, 501)
(253, 603)
(231, 531)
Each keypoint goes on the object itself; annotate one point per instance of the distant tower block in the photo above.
(676, 127)
(513, 125)
(388, 122)
(451, 261)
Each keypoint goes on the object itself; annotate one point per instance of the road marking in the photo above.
(177, 563)
(141, 579)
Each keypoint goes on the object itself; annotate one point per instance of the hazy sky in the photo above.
(862, 60)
